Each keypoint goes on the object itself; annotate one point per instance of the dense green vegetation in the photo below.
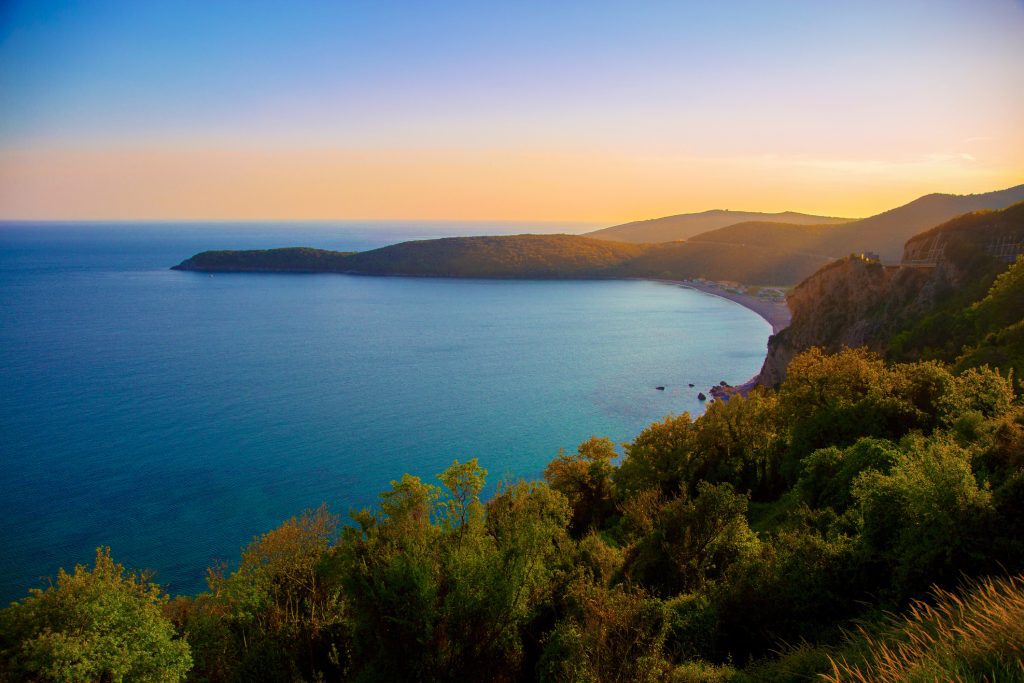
(979, 319)
(989, 331)
(778, 518)
(98, 624)
(862, 521)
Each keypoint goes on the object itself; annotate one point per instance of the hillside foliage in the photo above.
(862, 521)
(792, 516)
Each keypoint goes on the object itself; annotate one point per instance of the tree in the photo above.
(450, 599)
(280, 605)
(389, 566)
(585, 479)
(660, 457)
(828, 473)
(695, 541)
(833, 400)
(739, 443)
(615, 634)
(927, 518)
(100, 624)
(465, 482)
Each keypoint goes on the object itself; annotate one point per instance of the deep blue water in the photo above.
(173, 415)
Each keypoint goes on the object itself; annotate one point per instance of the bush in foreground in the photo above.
(95, 624)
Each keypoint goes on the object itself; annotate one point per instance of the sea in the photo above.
(174, 416)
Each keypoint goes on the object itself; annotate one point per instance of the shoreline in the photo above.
(775, 314)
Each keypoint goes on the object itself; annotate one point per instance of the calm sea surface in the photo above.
(175, 415)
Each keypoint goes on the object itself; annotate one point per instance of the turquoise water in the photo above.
(175, 415)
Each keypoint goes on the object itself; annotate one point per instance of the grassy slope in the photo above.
(978, 632)
(973, 634)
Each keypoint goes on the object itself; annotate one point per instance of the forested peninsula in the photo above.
(520, 256)
(753, 253)
(859, 517)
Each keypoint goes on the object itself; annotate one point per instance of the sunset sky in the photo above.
(592, 111)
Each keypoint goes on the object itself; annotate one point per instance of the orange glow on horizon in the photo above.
(599, 113)
(607, 187)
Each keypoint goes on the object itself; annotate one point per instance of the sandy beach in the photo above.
(777, 314)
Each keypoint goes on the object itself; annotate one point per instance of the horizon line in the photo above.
(535, 221)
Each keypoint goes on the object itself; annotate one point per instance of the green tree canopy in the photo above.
(97, 624)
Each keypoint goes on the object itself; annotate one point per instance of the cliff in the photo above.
(920, 309)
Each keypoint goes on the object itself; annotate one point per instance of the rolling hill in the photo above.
(536, 256)
(512, 256)
(751, 265)
(526, 256)
(884, 233)
(686, 225)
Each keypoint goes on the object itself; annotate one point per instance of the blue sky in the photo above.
(902, 95)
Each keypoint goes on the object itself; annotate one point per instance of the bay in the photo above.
(173, 415)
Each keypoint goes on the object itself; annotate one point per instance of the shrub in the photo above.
(694, 541)
(927, 518)
(613, 635)
(94, 624)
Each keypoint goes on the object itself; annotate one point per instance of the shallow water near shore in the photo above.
(174, 415)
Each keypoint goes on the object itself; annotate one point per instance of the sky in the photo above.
(599, 112)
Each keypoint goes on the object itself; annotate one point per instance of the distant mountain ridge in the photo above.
(883, 234)
(751, 252)
(686, 225)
